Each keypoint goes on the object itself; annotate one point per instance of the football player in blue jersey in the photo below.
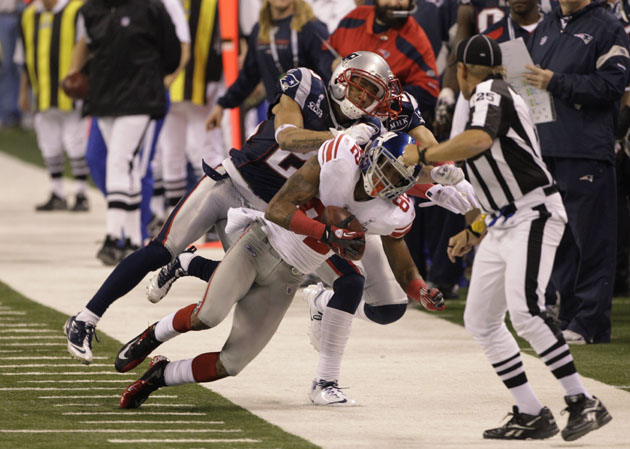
(307, 113)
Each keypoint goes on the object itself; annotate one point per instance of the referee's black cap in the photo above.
(479, 50)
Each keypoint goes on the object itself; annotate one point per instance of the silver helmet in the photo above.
(374, 86)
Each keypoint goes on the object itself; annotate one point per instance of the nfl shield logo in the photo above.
(543, 40)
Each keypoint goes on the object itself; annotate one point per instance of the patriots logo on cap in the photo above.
(586, 38)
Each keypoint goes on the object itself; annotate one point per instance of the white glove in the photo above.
(466, 189)
(447, 174)
(361, 132)
(449, 198)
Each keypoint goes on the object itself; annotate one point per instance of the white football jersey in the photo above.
(339, 159)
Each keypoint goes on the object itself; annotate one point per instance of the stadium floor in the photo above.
(420, 383)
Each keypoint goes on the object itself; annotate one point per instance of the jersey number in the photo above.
(285, 163)
(488, 17)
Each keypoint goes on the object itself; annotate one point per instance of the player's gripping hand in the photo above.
(348, 244)
(447, 174)
(449, 198)
(430, 299)
(361, 132)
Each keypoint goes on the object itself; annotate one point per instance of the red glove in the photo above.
(348, 244)
(430, 299)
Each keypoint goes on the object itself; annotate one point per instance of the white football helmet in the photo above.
(363, 84)
(384, 174)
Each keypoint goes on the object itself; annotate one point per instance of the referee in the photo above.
(525, 219)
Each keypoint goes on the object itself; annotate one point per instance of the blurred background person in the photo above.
(9, 71)
(48, 36)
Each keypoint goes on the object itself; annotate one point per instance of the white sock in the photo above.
(157, 206)
(88, 316)
(81, 186)
(573, 385)
(526, 399)
(184, 260)
(336, 326)
(115, 219)
(56, 185)
(132, 227)
(164, 329)
(179, 372)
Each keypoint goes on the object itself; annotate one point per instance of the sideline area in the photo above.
(420, 383)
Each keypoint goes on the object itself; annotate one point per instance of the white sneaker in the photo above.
(573, 338)
(311, 293)
(324, 392)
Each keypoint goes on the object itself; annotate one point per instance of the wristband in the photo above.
(282, 128)
(301, 224)
(473, 232)
(422, 159)
(479, 225)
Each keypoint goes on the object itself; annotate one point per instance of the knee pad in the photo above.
(385, 314)
(348, 293)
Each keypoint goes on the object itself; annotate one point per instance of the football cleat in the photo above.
(311, 293)
(585, 415)
(573, 338)
(79, 334)
(139, 391)
(161, 282)
(525, 427)
(111, 252)
(81, 203)
(54, 203)
(324, 392)
(136, 350)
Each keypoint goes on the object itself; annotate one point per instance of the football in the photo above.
(76, 86)
(334, 216)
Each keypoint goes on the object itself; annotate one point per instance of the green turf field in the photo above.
(49, 400)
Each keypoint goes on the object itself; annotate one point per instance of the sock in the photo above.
(201, 268)
(321, 302)
(88, 316)
(573, 385)
(179, 372)
(115, 220)
(181, 319)
(184, 260)
(132, 226)
(164, 329)
(56, 185)
(336, 326)
(526, 399)
(81, 186)
(204, 367)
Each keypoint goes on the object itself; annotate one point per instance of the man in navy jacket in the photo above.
(581, 53)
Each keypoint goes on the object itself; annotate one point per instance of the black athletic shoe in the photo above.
(585, 415)
(81, 203)
(525, 427)
(139, 391)
(110, 253)
(54, 203)
(136, 350)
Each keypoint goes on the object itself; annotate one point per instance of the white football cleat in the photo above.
(162, 281)
(311, 293)
(325, 392)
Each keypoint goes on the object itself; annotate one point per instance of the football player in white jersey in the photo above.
(277, 248)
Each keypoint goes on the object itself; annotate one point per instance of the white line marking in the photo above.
(118, 430)
(187, 440)
(171, 396)
(73, 381)
(8, 319)
(53, 365)
(23, 325)
(56, 389)
(38, 337)
(25, 331)
(33, 344)
(126, 421)
(11, 312)
(66, 357)
(127, 413)
(67, 373)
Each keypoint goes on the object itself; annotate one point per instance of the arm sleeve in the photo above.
(169, 46)
(248, 77)
(603, 85)
(485, 112)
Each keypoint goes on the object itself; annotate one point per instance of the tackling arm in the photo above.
(290, 132)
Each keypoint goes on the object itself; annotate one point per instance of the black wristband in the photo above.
(422, 155)
(470, 229)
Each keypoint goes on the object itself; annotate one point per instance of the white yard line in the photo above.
(67, 373)
(163, 396)
(119, 430)
(33, 344)
(54, 365)
(49, 357)
(127, 421)
(73, 381)
(25, 330)
(180, 441)
(137, 412)
(56, 389)
(23, 325)
(36, 337)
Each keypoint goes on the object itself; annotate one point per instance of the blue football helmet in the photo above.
(384, 174)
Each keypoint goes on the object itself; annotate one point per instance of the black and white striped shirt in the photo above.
(513, 166)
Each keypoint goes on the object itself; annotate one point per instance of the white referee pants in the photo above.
(510, 273)
(57, 130)
(124, 137)
(184, 138)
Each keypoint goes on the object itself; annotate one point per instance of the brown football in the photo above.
(334, 216)
(76, 86)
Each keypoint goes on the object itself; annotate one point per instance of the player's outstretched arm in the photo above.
(290, 132)
(408, 276)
